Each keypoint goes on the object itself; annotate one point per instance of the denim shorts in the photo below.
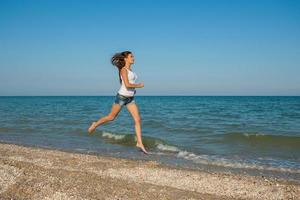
(123, 100)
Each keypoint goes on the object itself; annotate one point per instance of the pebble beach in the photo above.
(41, 173)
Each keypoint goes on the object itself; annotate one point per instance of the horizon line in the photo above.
(148, 95)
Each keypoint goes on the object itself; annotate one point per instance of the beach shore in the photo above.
(40, 173)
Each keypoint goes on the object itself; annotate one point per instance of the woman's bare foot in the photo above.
(92, 128)
(142, 148)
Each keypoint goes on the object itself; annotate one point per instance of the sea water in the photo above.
(257, 135)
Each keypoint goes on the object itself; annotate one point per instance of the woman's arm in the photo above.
(126, 82)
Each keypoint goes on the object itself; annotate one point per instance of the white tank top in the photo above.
(128, 91)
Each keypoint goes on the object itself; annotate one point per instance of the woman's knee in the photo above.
(138, 120)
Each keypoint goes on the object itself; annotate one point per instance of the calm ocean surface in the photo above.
(255, 135)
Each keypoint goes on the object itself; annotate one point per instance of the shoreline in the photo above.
(41, 173)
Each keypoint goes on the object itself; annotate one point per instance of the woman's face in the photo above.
(130, 58)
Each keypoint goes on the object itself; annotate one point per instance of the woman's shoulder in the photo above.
(123, 70)
(126, 69)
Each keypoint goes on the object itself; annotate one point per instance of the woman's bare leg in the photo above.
(111, 116)
(134, 111)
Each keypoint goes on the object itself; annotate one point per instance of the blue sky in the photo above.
(180, 47)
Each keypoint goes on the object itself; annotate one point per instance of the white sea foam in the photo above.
(253, 134)
(112, 136)
(79, 149)
(165, 147)
(212, 159)
(219, 161)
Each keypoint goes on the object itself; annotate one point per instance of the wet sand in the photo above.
(39, 173)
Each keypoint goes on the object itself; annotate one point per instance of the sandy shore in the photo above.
(38, 173)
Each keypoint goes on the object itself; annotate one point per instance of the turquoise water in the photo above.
(258, 135)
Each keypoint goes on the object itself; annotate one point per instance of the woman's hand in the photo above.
(141, 85)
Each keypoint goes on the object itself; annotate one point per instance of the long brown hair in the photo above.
(118, 60)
